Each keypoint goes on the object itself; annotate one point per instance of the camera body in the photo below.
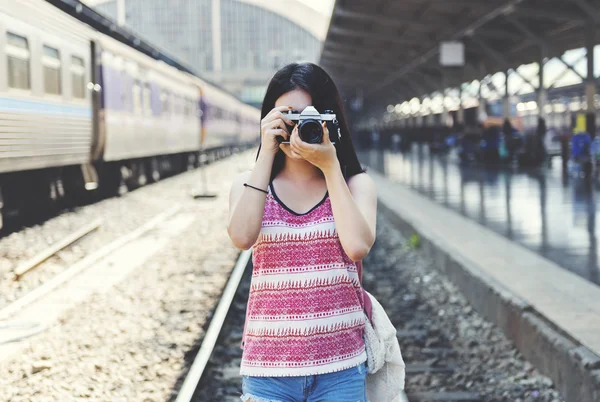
(309, 123)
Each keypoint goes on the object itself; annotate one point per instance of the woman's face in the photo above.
(298, 100)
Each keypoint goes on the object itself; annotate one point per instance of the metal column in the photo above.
(506, 100)
(121, 13)
(460, 115)
(542, 92)
(481, 112)
(216, 37)
(539, 151)
(590, 82)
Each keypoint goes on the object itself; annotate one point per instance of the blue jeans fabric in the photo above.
(347, 385)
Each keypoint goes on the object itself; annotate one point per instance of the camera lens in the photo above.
(311, 131)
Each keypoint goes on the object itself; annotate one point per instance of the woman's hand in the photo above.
(273, 126)
(321, 155)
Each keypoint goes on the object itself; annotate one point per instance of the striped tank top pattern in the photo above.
(305, 308)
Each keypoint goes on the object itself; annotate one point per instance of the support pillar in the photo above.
(539, 150)
(444, 114)
(431, 116)
(506, 99)
(590, 82)
(460, 115)
(121, 13)
(216, 37)
(481, 111)
(542, 92)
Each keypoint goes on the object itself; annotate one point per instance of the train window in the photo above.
(51, 63)
(188, 109)
(165, 102)
(193, 108)
(178, 108)
(125, 94)
(78, 77)
(137, 97)
(17, 51)
(147, 98)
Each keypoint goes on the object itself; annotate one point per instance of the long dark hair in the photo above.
(325, 96)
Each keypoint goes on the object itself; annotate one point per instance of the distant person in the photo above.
(540, 144)
(309, 211)
(375, 138)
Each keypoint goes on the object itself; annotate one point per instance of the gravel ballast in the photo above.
(446, 344)
(133, 342)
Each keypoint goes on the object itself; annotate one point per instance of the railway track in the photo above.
(150, 298)
(189, 390)
(452, 355)
(37, 317)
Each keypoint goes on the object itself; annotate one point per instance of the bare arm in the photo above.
(247, 205)
(354, 210)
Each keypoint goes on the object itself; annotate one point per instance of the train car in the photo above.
(87, 107)
(46, 117)
(148, 113)
(250, 126)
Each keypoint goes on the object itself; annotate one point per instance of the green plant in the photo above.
(414, 241)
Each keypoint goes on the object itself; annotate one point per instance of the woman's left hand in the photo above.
(321, 155)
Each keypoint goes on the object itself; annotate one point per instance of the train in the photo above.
(84, 112)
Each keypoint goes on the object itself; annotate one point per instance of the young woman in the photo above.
(309, 211)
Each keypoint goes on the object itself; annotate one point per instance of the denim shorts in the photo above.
(349, 385)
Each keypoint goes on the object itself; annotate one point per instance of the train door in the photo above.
(95, 87)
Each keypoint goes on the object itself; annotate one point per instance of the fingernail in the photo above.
(289, 107)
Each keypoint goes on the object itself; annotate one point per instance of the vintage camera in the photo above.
(309, 123)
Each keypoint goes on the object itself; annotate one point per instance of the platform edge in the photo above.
(574, 371)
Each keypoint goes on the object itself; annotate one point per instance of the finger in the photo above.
(277, 123)
(277, 132)
(278, 109)
(294, 137)
(299, 143)
(276, 116)
(326, 138)
(284, 117)
(294, 146)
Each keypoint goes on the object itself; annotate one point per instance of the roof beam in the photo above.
(354, 46)
(498, 34)
(360, 58)
(555, 31)
(416, 89)
(370, 35)
(591, 11)
(460, 32)
(542, 42)
(376, 18)
(555, 15)
(359, 67)
(525, 30)
(494, 54)
(500, 59)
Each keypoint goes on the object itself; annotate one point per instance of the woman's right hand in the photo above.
(273, 126)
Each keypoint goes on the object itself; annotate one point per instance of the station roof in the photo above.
(389, 49)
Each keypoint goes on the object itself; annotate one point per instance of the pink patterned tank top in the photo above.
(305, 310)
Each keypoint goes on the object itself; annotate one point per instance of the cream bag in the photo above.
(386, 368)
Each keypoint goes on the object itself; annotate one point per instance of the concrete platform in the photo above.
(552, 315)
